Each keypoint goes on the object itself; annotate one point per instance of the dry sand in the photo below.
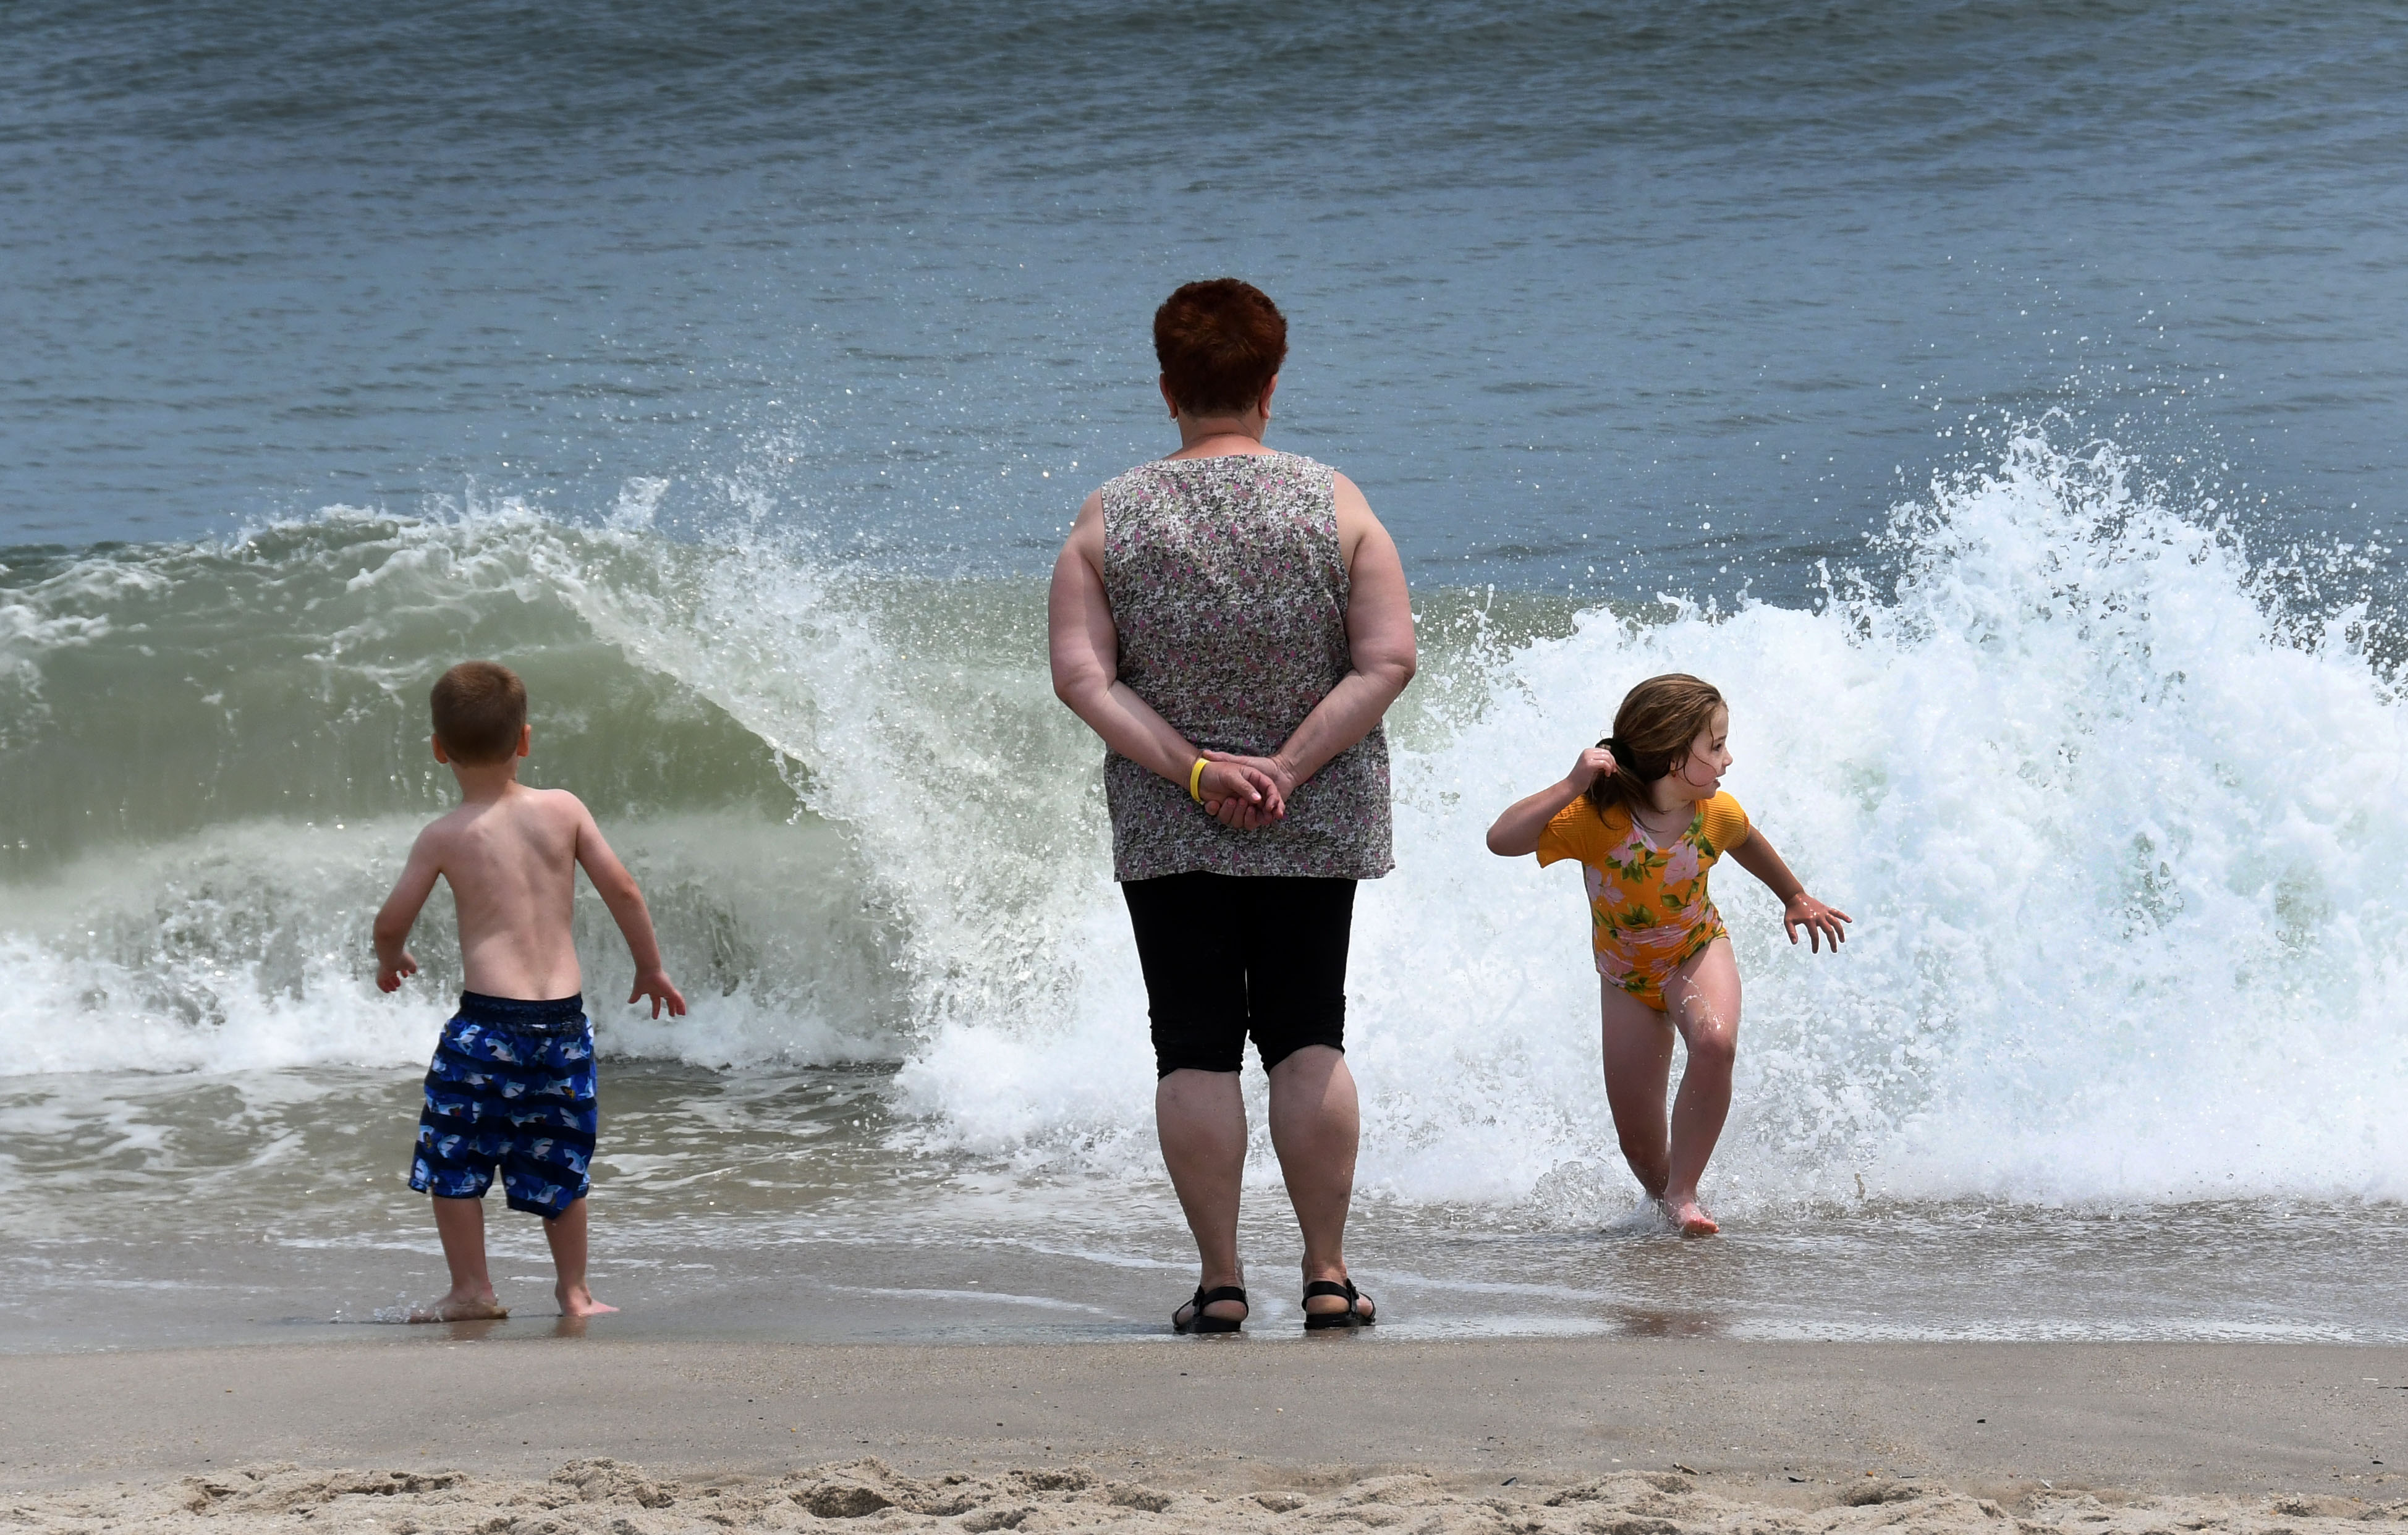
(496, 1434)
(611, 1498)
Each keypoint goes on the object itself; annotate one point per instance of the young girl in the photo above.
(1644, 813)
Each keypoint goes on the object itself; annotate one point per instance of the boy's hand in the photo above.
(1593, 764)
(388, 977)
(655, 985)
(1820, 922)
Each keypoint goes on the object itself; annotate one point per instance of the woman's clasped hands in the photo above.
(1244, 792)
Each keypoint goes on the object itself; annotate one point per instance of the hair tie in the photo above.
(1626, 760)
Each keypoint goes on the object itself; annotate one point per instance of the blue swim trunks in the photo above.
(511, 1086)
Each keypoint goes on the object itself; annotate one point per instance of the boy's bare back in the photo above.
(510, 854)
(511, 863)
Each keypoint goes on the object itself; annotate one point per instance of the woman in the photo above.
(1233, 622)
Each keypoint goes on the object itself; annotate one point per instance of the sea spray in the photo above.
(217, 755)
(2121, 836)
(2117, 825)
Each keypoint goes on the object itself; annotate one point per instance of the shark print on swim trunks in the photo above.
(513, 1099)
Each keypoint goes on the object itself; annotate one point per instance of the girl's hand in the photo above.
(1593, 763)
(1820, 922)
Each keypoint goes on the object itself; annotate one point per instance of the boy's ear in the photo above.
(526, 739)
(440, 755)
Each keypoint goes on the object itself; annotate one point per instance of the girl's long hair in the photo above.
(1658, 722)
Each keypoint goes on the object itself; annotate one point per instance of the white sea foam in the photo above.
(2126, 859)
(246, 947)
(2121, 836)
(2123, 864)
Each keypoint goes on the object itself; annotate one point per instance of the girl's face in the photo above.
(1699, 774)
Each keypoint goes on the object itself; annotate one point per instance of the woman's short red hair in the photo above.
(1219, 343)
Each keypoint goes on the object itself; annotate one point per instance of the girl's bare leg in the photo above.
(1702, 1000)
(567, 1234)
(1637, 1047)
(461, 1224)
(1202, 1118)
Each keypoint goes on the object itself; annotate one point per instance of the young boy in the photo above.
(511, 1085)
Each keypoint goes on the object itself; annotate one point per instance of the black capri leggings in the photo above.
(1227, 955)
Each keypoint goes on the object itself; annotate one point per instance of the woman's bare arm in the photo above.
(1797, 909)
(1086, 649)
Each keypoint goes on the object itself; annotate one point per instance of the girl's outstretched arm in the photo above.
(1516, 832)
(1797, 909)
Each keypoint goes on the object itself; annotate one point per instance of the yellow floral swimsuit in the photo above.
(1648, 910)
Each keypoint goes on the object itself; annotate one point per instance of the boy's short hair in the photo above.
(1219, 343)
(479, 709)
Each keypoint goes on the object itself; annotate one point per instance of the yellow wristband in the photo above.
(1195, 780)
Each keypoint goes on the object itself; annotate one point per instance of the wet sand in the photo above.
(454, 1428)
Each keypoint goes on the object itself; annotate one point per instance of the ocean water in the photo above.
(2001, 403)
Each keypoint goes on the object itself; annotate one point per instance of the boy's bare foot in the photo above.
(576, 1300)
(1692, 1219)
(471, 1306)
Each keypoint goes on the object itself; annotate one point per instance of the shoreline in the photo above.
(1796, 1423)
(870, 1248)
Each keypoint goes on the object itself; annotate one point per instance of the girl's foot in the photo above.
(1691, 1218)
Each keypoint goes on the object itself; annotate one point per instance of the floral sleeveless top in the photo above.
(1228, 589)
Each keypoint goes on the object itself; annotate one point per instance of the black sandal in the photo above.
(1201, 1322)
(1316, 1321)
